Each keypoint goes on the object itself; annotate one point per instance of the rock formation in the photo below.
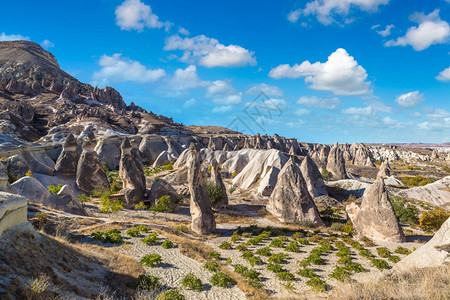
(13, 212)
(131, 175)
(434, 154)
(90, 173)
(66, 200)
(313, 178)
(162, 188)
(216, 180)
(375, 218)
(336, 163)
(200, 205)
(385, 170)
(290, 200)
(68, 159)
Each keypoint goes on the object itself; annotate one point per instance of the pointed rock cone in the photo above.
(68, 159)
(290, 200)
(336, 163)
(375, 218)
(385, 170)
(200, 205)
(131, 175)
(216, 180)
(314, 182)
(90, 173)
(434, 154)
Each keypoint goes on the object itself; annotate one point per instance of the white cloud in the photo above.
(183, 31)
(369, 110)
(270, 90)
(387, 31)
(208, 52)
(47, 44)
(302, 112)
(134, 14)
(415, 115)
(296, 124)
(313, 101)
(340, 74)
(435, 113)
(410, 100)
(13, 37)
(433, 126)
(221, 92)
(118, 69)
(222, 109)
(186, 79)
(326, 11)
(430, 31)
(274, 104)
(391, 122)
(444, 75)
(189, 103)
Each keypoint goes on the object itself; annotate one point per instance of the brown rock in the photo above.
(336, 163)
(216, 179)
(68, 159)
(131, 174)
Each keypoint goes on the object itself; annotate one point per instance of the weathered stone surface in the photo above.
(375, 218)
(385, 170)
(68, 159)
(39, 162)
(4, 183)
(109, 153)
(90, 173)
(151, 147)
(200, 205)
(434, 154)
(131, 175)
(268, 182)
(17, 166)
(162, 188)
(13, 212)
(336, 163)
(31, 189)
(216, 179)
(66, 200)
(290, 200)
(434, 253)
(313, 178)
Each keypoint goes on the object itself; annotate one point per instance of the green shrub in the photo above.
(306, 272)
(417, 180)
(315, 238)
(317, 285)
(365, 253)
(340, 273)
(143, 228)
(293, 247)
(251, 274)
(151, 239)
(325, 247)
(393, 258)
(343, 251)
(303, 241)
(285, 275)
(279, 258)
(433, 220)
(240, 269)
(192, 282)
(344, 260)
(82, 198)
(254, 260)
(215, 193)
(221, 279)
(167, 244)
(151, 259)
(348, 228)
(170, 295)
(354, 267)
(404, 211)
(111, 236)
(401, 250)
(214, 254)
(181, 228)
(146, 283)
(303, 263)
(358, 246)
(247, 254)
(235, 237)
(134, 232)
(274, 267)
(149, 171)
(383, 252)
(163, 204)
(108, 206)
(277, 242)
(380, 264)
(225, 246)
(325, 174)
(246, 235)
(54, 189)
(337, 226)
(265, 251)
(140, 206)
(316, 259)
(241, 247)
(211, 266)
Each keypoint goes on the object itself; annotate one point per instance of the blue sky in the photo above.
(330, 70)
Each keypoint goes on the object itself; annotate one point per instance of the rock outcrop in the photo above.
(200, 205)
(216, 180)
(375, 218)
(31, 189)
(132, 175)
(90, 174)
(313, 178)
(68, 159)
(162, 188)
(66, 200)
(290, 200)
(385, 170)
(13, 212)
(336, 163)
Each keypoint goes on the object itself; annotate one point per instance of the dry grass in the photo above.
(427, 283)
(227, 218)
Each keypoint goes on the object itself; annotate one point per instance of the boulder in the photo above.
(290, 200)
(4, 183)
(13, 212)
(216, 180)
(17, 166)
(336, 163)
(162, 188)
(109, 153)
(31, 189)
(151, 147)
(313, 178)
(131, 175)
(434, 154)
(66, 200)
(375, 218)
(90, 173)
(68, 159)
(200, 205)
(39, 162)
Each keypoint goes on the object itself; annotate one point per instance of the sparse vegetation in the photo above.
(293, 247)
(433, 220)
(54, 189)
(285, 275)
(149, 171)
(215, 193)
(108, 206)
(172, 294)
(279, 258)
(223, 280)
(112, 236)
(340, 273)
(167, 244)
(380, 264)
(417, 180)
(406, 212)
(146, 283)
(277, 242)
(383, 252)
(151, 239)
(140, 206)
(401, 250)
(192, 282)
(325, 174)
(225, 246)
(211, 266)
(163, 204)
(151, 260)
(214, 254)
(265, 251)
(317, 285)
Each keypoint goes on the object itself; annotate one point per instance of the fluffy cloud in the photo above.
(444, 75)
(433, 126)
(209, 52)
(340, 74)
(369, 110)
(302, 112)
(410, 100)
(326, 103)
(415, 115)
(186, 79)
(435, 113)
(430, 31)
(221, 92)
(118, 69)
(326, 11)
(270, 90)
(385, 32)
(136, 15)
(13, 37)
(222, 109)
(46, 44)
(389, 122)
(275, 104)
(189, 103)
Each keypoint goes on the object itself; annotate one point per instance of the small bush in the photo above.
(393, 258)
(303, 241)
(279, 258)
(225, 246)
(39, 285)
(82, 198)
(151, 239)
(433, 220)
(235, 237)
(367, 242)
(317, 285)
(293, 247)
(265, 251)
(417, 180)
(365, 253)
(285, 275)
(108, 206)
(315, 238)
(325, 247)
(172, 294)
(163, 204)
(288, 286)
(167, 244)
(348, 228)
(241, 247)
(211, 266)
(146, 283)
(340, 273)
(54, 189)
(337, 226)
(357, 246)
(181, 228)
(383, 252)
(315, 259)
(192, 282)
(143, 228)
(29, 174)
(151, 259)
(306, 272)
(133, 232)
(221, 279)
(344, 260)
(215, 193)
(240, 269)
(401, 250)
(325, 174)
(246, 235)
(277, 242)
(254, 260)
(112, 236)
(380, 264)
(274, 267)
(214, 254)
(303, 263)
(404, 211)
(354, 267)
(140, 206)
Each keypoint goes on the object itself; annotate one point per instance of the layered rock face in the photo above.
(290, 200)
(90, 174)
(385, 170)
(216, 180)
(200, 205)
(336, 163)
(375, 218)
(313, 178)
(68, 159)
(13, 212)
(132, 175)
